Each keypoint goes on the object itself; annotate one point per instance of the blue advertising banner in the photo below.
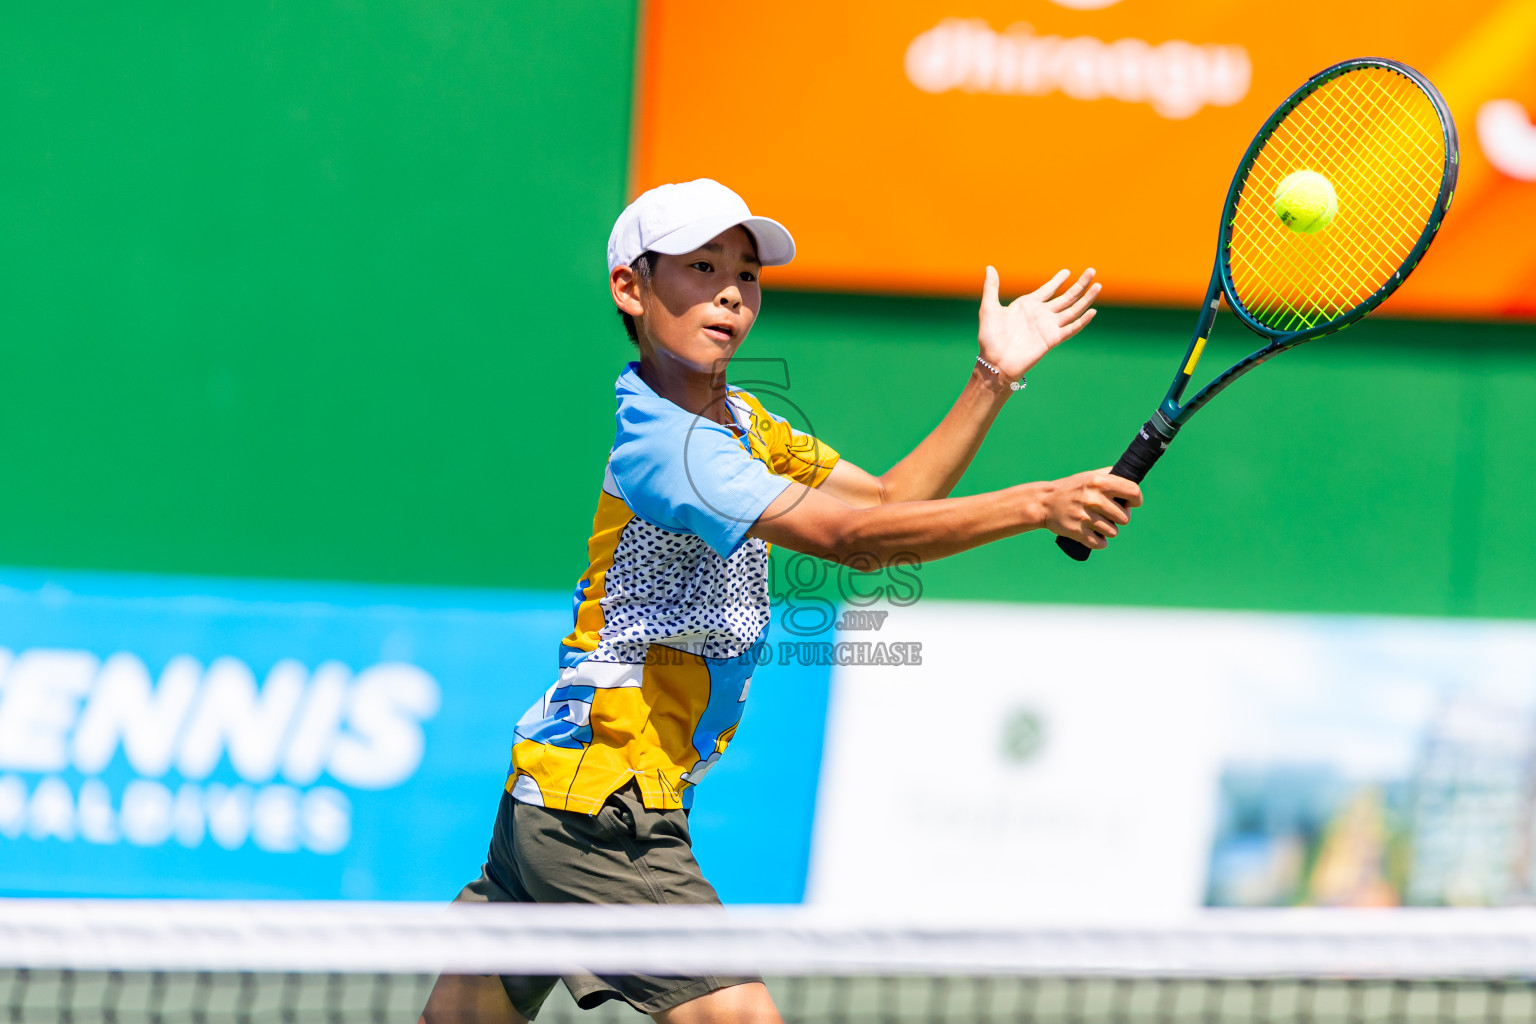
(236, 739)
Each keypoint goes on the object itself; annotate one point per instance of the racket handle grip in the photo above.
(1145, 449)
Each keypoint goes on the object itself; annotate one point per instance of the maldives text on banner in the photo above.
(167, 736)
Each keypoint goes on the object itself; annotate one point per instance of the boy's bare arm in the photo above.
(813, 522)
(935, 466)
(1012, 338)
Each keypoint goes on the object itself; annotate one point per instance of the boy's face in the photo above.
(698, 307)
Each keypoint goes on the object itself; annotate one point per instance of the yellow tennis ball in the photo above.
(1305, 201)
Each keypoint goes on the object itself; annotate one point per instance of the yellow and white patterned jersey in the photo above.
(654, 676)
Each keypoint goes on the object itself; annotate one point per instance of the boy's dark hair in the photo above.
(643, 265)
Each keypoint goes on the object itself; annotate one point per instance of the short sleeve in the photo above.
(787, 451)
(689, 475)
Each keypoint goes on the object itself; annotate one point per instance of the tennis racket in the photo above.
(1383, 138)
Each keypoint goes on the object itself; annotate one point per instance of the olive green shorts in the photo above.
(625, 853)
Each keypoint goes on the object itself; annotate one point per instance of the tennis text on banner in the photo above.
(67, 715)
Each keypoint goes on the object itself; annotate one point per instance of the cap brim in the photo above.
(775, 247)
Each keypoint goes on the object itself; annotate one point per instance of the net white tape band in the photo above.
(135, 935)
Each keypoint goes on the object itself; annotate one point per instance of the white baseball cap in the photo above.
(675, 219)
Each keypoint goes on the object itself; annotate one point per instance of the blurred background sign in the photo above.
(1237, 760)
(164, 736)
(909, 144)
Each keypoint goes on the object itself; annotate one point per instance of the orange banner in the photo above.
(908, 144)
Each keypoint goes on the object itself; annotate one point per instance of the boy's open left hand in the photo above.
(1015, 337)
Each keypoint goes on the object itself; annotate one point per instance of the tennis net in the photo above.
(167, 962)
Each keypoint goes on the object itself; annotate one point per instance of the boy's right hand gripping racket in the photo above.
(1383, 138)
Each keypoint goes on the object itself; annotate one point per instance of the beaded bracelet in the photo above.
(1016, 385)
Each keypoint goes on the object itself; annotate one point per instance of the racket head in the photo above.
(1383, 137)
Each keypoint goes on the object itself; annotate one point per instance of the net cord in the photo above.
(400, 938)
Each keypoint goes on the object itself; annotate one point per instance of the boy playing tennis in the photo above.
(700, 480)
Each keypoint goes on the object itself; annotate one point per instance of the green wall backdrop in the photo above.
(316, 291)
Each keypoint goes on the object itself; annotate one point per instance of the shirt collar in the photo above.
(631, 382)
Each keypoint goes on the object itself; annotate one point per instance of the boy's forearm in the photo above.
(936, 465)
(927, 530)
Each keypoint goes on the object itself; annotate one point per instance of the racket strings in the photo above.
(1420, 185)
(1336, 278)
(1284, 263)
(1421, 180)
(1357, 275)
(1376, 136)
(1405, 161)
(1373, 264)
(1397, 246)
(1361, 273)
(1379, 169)
(1395, 94)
